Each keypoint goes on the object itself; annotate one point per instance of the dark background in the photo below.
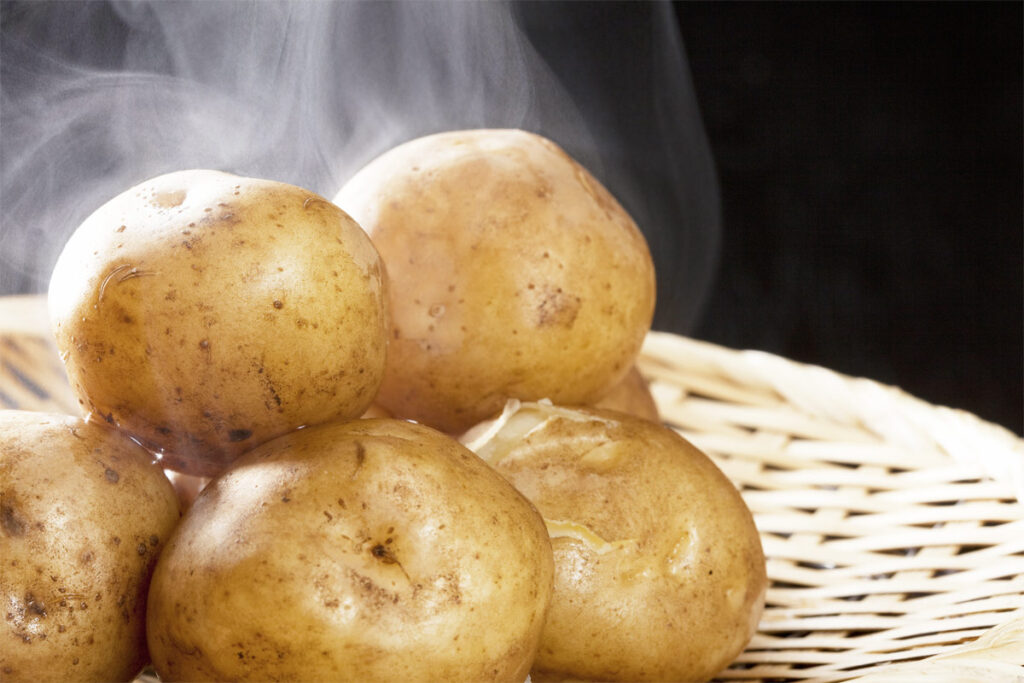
(869, 157)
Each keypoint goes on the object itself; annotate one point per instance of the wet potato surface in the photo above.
(205, 313)
(660, 573)
(84, 513)
(377, 550)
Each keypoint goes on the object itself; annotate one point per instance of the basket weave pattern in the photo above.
(894, 529)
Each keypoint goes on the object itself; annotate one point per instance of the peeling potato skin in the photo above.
(513, 273)
(375, 550)
(677, 590)
(84, 514)
(205, 313)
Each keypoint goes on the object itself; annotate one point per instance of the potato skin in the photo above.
(513, 272)
(84, 513)
(376, 550)
(205, 313)
(633, 396)
(671, 584)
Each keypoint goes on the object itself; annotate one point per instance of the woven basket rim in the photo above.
(849, 480)
(1002, 456)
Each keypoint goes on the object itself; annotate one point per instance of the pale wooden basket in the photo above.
(894, 529)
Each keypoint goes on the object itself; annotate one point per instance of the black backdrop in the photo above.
(869, 157)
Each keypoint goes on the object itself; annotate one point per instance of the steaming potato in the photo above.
(513, 273)
(632, 396)
(206, 313)
(659, 572)
(376, 550)
(84, 513)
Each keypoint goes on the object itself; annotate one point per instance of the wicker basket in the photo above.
(894, 529)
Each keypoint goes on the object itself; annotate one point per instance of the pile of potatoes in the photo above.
(429, 452)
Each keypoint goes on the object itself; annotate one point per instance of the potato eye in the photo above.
(382, 553)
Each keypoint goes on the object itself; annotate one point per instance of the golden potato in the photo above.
(659, 571)
(84, 512)
(205, 313)
(632, 395)
(375, 550)
(513, 273)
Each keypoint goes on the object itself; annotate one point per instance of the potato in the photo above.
(376, 410)
(659, 571)
(186, 486)
(633, 396)
(84, 512)
(375, 550)
(513, 273)
(205, 313)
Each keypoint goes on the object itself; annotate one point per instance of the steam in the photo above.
(97, 97)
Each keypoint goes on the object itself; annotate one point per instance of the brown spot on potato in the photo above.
(111, 475)
(237, 435)
(278, 303)
(167, 200)
(34, 606)
(11, 521)
(557, 308)
(360, 457)
(383, 554)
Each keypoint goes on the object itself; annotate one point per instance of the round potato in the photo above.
(205, 313)
(632, 396)
(659, 571)
(513, 273)
(84, 512)
(375, 550)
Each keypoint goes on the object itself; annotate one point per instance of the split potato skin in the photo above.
(660, 574)
(205, 313)
(375, 550)
(84, 513)
(513, 272)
